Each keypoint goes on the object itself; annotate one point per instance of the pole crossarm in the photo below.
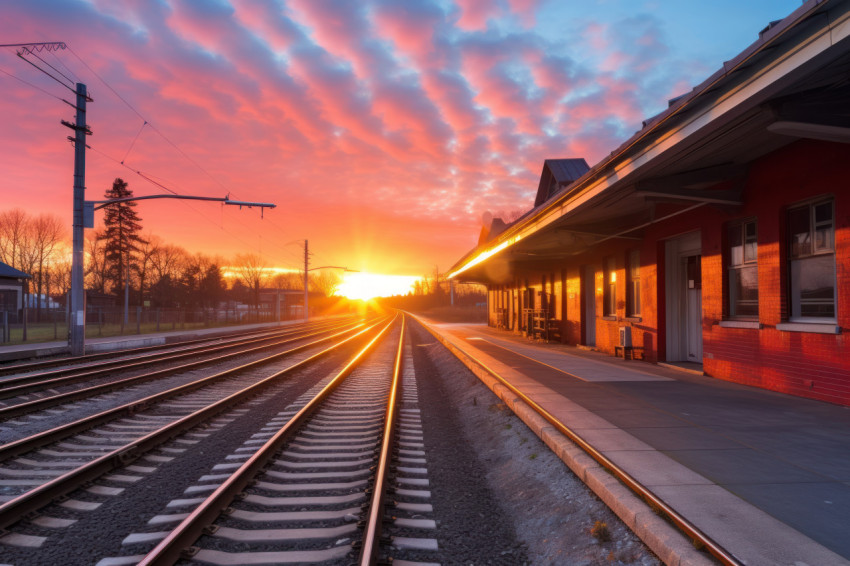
(98, 204)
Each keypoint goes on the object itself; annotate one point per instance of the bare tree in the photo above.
(59, 275)
(292, 280)
(166, 260)
(13, 227)
(325, 281)
(252, 270)
(144, 262)
(46, 234)
(96, 268)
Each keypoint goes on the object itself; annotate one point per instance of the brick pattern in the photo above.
(804, 364)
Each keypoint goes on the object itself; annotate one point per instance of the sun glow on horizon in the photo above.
(367, 286)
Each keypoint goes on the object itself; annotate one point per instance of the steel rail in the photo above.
(60, 398)
(80, 361)
(172, 547)
(34, 382)
(372, 534)
(18, 447)
(14, 510)
(642, 491)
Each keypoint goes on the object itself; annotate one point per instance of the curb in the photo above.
(667, 542)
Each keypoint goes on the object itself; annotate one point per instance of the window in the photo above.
(609, 294)
(811, 262)
(742, 256)
(633, 283)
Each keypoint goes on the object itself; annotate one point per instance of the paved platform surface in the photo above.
(766, 475)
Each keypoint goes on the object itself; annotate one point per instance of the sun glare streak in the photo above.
(367, 286)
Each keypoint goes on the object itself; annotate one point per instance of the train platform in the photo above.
(12, 352)
(764, 475)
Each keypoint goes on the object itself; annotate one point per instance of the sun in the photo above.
(365, 286)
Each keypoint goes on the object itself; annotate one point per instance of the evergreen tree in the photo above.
(121, 236)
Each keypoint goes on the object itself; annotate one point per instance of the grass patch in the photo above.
(600, 531)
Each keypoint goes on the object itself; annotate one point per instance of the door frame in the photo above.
(678, 325)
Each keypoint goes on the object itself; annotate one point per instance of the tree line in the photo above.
(119, 259)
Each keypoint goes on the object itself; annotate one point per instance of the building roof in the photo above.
(558, 174)
(11, 273)
(788, 85)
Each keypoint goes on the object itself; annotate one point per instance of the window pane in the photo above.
(824, 239)
(736, 250)
(635, 297)
(813, 287)
(824, 231)
(634, 264)
(750, 246)
(799, 232)
(744, 292)
(823, 213)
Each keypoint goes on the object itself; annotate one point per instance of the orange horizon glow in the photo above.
(365, 286)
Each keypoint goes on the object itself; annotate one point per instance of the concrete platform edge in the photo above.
(668, 543)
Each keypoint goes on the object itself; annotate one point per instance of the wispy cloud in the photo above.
(382, 129)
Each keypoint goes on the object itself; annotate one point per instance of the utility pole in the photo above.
(77, 320)
(306, 269)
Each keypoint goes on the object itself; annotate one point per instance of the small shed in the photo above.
(13, 284)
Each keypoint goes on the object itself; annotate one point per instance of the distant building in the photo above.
(718, 236)
(13, 284)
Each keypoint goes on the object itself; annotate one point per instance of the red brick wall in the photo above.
(804, 364)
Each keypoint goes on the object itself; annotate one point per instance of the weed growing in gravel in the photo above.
(509, 426)
(600, 531)
(533, 456)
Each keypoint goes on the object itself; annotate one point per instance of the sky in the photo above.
(381, 129)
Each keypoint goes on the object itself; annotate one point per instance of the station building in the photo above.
(718, 236)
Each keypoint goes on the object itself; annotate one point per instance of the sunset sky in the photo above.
(382, 129)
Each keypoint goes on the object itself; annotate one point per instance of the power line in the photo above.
(145, 123)
(46, 73)
(107, 85)
(67, 68)
(162, 186)
(36, 55)
(50, 94)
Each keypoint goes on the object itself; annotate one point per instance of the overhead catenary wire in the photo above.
(67, 68)
(145, 123)
(123, 159)
(37, 56)
(48, 93)
(47, 73)
(148, 177)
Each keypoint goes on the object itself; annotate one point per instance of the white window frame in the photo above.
(745, 264)
(824, 252)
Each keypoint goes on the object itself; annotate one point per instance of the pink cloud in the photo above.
(475, 13)
(374, 125)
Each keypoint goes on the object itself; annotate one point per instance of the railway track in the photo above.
(21, 382)
(42, 467)
(27, 394)
(82, 361)
(315, 490)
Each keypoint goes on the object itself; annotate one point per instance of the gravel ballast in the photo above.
(508, 498)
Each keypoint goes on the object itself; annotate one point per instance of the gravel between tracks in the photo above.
(526, 487)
